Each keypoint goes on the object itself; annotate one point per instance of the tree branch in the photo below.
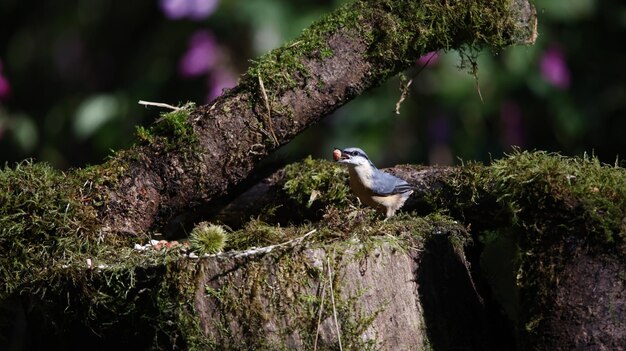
(354, 48)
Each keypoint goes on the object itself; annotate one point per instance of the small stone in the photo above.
(193, 255)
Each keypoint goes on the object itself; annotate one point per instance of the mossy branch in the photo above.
(196, 155)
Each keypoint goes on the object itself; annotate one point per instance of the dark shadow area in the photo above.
(66, 319)
(456, 317)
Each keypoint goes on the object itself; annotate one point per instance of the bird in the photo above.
(382, 191)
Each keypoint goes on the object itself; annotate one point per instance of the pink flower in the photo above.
(428, 59)
(202, 55)
(220, 79)
(5, 87)
(554, 68)
(193, 9)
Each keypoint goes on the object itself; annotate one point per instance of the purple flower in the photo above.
(428, 59)
(554, 68)
(219, 80)
(202, 55)
(193, 9)
(5, 87)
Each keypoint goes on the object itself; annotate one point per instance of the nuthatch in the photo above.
(382, 191)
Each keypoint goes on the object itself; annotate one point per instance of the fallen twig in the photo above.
(159, 104)
(319, 317)
(267, 249)
(332, 299)
(267, 106)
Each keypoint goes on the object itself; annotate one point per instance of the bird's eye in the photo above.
(355, 153)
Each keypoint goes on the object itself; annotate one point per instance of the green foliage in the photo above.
(207, 238)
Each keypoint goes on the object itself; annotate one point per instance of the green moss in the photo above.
(121, 288)
(396, 32)
(257, 233)
(172, 130)
(540, 191)
(207, 238)
(540, 188)
(319, 181)
(282, 69)
(42, 217)
(289, 285)
(557, 206)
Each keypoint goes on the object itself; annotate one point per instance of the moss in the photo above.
(282, 69)
(207, 238)
(42, 218)
(257, 233)
(538, 183)
(53, 253)
(396, 32)
(318, 181)
(172, 130)
(559, 204)
(288, 285)
(556, 206)
(108, 289)
(540, 191)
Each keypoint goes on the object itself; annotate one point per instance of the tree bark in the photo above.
(415, 293)
(352, 49)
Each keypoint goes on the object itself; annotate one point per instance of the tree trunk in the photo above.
(413, 293)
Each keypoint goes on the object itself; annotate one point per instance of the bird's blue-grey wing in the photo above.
(386, 184)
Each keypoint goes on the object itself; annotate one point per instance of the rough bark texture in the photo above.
(585, 306)
(588, 316)
(355, 48)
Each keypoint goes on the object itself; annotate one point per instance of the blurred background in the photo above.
(71, 73)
